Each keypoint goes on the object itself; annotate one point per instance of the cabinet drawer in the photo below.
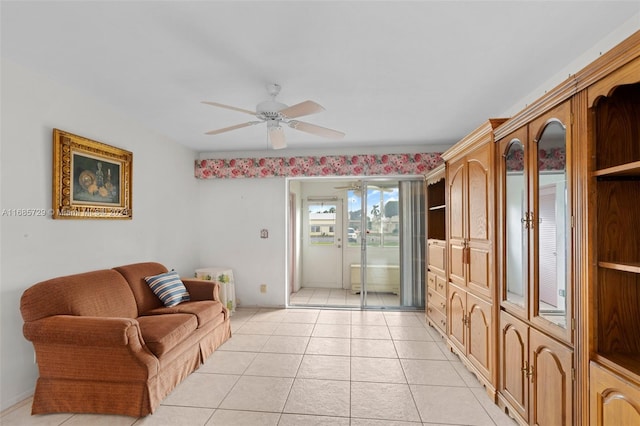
(437, 317)
(441, 286)
(431, 281)
(436, 255)
(437, 301)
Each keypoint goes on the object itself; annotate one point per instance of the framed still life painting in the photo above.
(91, 180)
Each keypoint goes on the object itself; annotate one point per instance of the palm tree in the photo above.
(375, 211)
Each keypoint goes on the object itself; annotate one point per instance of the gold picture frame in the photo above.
(91, 180)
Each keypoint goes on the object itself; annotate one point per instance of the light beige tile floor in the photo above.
(321, 297)
(316, 367)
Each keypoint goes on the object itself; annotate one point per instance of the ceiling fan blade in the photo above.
(276, 137)
(228, 129)
(352, 187)
(246, 111)
(315, 129)
(303, 108)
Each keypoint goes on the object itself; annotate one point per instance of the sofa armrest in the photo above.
(202, 290)
(85, 331)
(95, 348)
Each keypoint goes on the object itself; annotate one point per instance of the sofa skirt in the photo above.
(135, 398)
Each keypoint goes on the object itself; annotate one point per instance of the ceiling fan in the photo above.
(357, 187)
(275, 113)
(352, 186)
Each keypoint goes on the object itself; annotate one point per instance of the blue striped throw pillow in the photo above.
(169, 288)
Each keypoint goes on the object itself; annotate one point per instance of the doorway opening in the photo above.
(356, 243)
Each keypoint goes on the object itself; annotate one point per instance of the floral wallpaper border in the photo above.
(326, 165)
(550, 159)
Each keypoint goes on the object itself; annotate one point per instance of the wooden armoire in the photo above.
(470, 255)
(542, 250)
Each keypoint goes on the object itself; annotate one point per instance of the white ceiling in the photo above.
(388, 72)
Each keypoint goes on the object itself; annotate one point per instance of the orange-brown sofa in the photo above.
(105, 343)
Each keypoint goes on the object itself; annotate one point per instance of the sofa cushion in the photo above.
(204, 310)
(134, 274)
(161, 333)
(169, 288)
(103, 293)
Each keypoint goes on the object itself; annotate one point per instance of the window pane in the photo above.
(322, 221)
(354, 214)
(551, 226)
(516, 233)
(383, 223)
(390, 217)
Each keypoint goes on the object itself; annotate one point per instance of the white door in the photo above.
(322, 243)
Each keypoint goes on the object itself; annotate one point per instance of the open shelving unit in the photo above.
(436, 291)
(436, 207)
(616, 131)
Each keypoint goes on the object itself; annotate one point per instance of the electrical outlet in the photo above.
(263, 288)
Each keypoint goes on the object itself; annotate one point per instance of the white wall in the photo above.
(233, 211)
(165, 206)
(615, 37)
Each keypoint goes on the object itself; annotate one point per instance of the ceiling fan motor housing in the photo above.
(269, 110)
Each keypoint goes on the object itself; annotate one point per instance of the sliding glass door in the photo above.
(361, 243)
(393, 244)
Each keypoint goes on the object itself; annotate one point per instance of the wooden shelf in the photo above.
(437, 241)
(629, 169)
(627, 364)
(436, 209)
(633, 267)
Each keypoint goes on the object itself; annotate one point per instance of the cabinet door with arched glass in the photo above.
(549, 222)
(514, 211)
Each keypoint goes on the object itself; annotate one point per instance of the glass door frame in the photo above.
(560, 115)
(529, 136)
(290, 258)
(519, 136)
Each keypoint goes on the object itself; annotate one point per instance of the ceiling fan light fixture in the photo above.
(273, 123)
(276, 135)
